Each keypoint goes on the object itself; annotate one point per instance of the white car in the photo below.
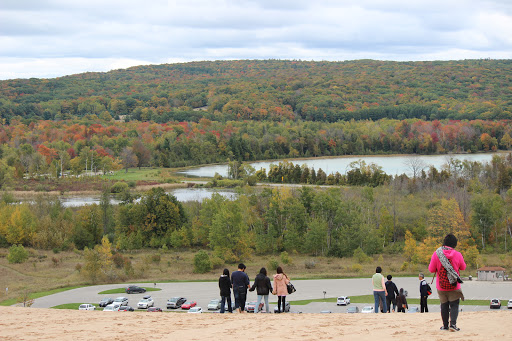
(121, 301)
(343, 300)
(509, 304)
(111, 307)
(214, 304)
(86, 307)
(368, 309)
(195, 310)
(146, 302)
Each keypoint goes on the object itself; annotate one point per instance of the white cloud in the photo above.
(49, 38)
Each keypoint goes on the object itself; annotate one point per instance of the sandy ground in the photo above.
(18, 323)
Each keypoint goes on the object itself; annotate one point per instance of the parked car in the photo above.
(133, 289)
(352, 310)
(367, 309)
(495, 304)
(413, 310)
(146, 302)
(106, 301)
(121, 301)
(195, 310)
(175, 302)
(326, 312)
(509, 305)
(343, 300)
(251, 306)
(86, 307)
(112, 307)
(214, 304)
(126, 308)
(286, 308)
(154, 309)
(189, 304)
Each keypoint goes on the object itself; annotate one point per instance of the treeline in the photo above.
(52, 149)
(270, 90)
(404, 215)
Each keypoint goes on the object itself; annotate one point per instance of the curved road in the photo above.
(203, 292)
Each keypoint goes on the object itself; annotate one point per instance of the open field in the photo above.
(46, 270)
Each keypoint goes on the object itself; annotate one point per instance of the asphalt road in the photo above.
(203, 292)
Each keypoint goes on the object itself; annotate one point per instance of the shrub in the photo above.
(118, 260)
(216, 262)
(55, 261)
(273, 264)
(360, 256)
(17, 254)
(78, 267)
(285, 258)
(202, 262)
(404, 266)
(357, 267)
(119, 187)
(132, 184)
(310, 264)
(156, 259)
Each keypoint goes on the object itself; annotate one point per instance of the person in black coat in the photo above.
(263, 288)
(225, 291)
(392, 291)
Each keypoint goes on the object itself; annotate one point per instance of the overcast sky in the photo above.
(51, 38)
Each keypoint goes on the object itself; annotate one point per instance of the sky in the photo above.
(53, 38)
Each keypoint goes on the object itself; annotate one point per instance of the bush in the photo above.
(118, 260)
(310, 264)
(273, 264)
(17, 254)
(216, 262)
(404, 266)
(119, 187)
(202, 262)
(132, 184)
(78, 267)
(156, 259)
(357, 267)
(361, 257)
(285, 258)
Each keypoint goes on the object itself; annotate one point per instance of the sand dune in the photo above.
(49, 324)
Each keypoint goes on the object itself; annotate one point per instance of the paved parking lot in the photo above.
(203, 292)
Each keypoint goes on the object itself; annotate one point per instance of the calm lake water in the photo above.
(182, 194)
(390, 164)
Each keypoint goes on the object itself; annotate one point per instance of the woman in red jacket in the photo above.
(448, 262)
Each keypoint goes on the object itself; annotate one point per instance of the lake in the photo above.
(182, 194)
(392, 165)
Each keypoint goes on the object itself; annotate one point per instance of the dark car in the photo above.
(153, 309)
(126, 308)
(133, 289)
(175, 302)
(106, 301)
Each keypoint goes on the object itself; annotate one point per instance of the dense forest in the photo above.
(272, 90)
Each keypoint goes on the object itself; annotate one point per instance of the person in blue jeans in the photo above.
(379, 290)
(263, 288)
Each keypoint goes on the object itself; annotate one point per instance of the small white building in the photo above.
(491, 273)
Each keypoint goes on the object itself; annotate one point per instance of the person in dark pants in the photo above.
(448, 262)
(240, 282)
(423, 294)
(225, 291)
(392, 291)
(401, 302)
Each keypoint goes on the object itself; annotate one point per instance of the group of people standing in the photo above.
(447, 263)
(240, 284)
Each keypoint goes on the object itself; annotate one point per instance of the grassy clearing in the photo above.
(35, 295)
(122, 291)
(135, 174)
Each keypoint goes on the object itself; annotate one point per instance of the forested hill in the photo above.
(271, 90)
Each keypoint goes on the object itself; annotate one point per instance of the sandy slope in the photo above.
(49, 324)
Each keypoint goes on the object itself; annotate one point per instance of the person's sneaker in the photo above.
(454, 328)
(444, 328)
